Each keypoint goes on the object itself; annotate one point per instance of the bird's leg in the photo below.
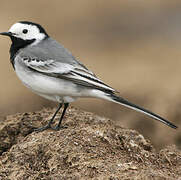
(48, 126)
(58, 126)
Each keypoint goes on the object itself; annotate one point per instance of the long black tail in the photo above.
(119, 100)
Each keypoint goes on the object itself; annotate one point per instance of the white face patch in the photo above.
(27, 32)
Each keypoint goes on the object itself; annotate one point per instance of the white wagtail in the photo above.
(51, 71)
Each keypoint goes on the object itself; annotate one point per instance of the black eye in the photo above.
(25, 31)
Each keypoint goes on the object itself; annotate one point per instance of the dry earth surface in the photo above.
(92, 147)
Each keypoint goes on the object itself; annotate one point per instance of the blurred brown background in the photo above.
(134, 46)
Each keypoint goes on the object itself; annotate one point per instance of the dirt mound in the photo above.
(92, 147)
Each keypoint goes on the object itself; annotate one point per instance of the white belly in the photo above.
(52, 88)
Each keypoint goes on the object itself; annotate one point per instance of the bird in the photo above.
(51, 71)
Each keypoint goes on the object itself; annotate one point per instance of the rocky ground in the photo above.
(92, 147)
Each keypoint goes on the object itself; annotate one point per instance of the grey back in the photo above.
(49, 49)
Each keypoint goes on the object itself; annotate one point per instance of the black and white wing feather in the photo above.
(72, 72)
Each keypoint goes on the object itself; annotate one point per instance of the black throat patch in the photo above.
(16, 45)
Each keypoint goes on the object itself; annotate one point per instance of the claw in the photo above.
(57, 128)
(43, 128)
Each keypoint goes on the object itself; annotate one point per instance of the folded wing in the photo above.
(77, 73)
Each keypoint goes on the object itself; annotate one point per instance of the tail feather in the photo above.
(119, 100)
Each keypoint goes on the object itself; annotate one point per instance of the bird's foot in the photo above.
(48, 126)
(57, 128)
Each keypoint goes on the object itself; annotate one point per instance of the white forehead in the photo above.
(33, 31)
(18, 27)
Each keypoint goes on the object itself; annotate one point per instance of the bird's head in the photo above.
(26, 32)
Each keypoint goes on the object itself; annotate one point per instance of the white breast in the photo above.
(49, 87)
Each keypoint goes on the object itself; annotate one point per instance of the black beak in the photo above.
(6, 34)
